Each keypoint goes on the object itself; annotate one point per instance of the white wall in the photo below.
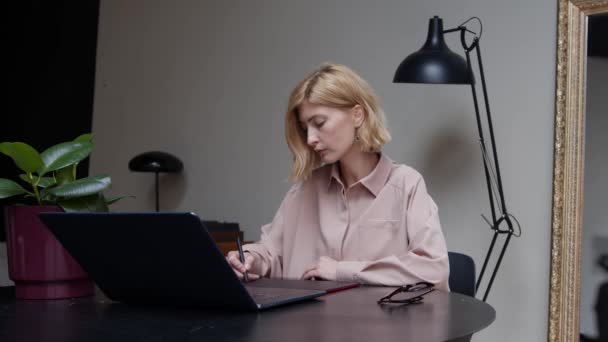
(209, 80)
(595, 220)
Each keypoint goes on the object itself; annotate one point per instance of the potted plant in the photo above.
(38, 264)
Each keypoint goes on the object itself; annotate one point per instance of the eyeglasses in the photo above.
(408, 294)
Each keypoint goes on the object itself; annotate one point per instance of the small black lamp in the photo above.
(157, 162)
(436, 63)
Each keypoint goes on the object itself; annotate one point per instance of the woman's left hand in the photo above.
(324, 268)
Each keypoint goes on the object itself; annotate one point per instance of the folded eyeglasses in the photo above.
(408, 294)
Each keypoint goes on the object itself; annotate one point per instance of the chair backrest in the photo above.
(462, 274)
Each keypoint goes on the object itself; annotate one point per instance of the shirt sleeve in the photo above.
(424, 256)
(268, 251)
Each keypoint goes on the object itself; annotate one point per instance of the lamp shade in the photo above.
(155, 161)
(434, 62)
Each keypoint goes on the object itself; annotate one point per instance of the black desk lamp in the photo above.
(156, 162)
(436, 63)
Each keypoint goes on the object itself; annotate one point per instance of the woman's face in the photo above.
(330, 131)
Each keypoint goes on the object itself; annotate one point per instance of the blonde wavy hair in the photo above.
(337, 86)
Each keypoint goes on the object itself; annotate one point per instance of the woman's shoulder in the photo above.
(405, 171)
(404, 176)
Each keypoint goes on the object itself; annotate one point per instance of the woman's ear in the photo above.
(358, 115)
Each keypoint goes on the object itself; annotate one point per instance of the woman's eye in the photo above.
(319, 124)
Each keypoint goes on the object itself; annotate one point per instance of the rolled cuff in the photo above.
(347, 270)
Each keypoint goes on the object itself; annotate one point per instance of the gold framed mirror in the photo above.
(565, 280)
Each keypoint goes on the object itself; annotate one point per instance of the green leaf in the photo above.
(102, 204)
(82, 187)
(87, 137)
(64, 154)
(24, 155)
(44, 182)
(8, 188)
(96, 203)
(26, 179)
(113, 200)
(64, 175)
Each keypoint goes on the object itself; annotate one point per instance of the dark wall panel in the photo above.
(598, 33)
(52, 46)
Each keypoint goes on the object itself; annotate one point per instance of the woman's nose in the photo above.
(311, 139)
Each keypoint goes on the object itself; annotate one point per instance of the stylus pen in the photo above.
(242, 257)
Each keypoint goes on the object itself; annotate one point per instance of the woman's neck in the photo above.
(356, 165)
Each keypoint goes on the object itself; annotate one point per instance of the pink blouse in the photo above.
(382, 230)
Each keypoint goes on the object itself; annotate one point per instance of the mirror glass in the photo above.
(594, 252)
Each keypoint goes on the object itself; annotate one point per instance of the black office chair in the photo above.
(462, 274)
(462, 279)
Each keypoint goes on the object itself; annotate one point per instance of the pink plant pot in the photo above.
(38, 264)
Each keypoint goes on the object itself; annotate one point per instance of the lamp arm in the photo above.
(493, 184)
(490, 127)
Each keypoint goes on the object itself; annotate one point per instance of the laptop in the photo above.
(165, 258)
(324, 285)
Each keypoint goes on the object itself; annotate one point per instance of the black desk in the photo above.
(351, 316)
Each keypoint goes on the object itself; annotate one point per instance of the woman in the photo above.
(353, 214)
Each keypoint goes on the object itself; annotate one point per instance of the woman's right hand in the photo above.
(237, 266)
